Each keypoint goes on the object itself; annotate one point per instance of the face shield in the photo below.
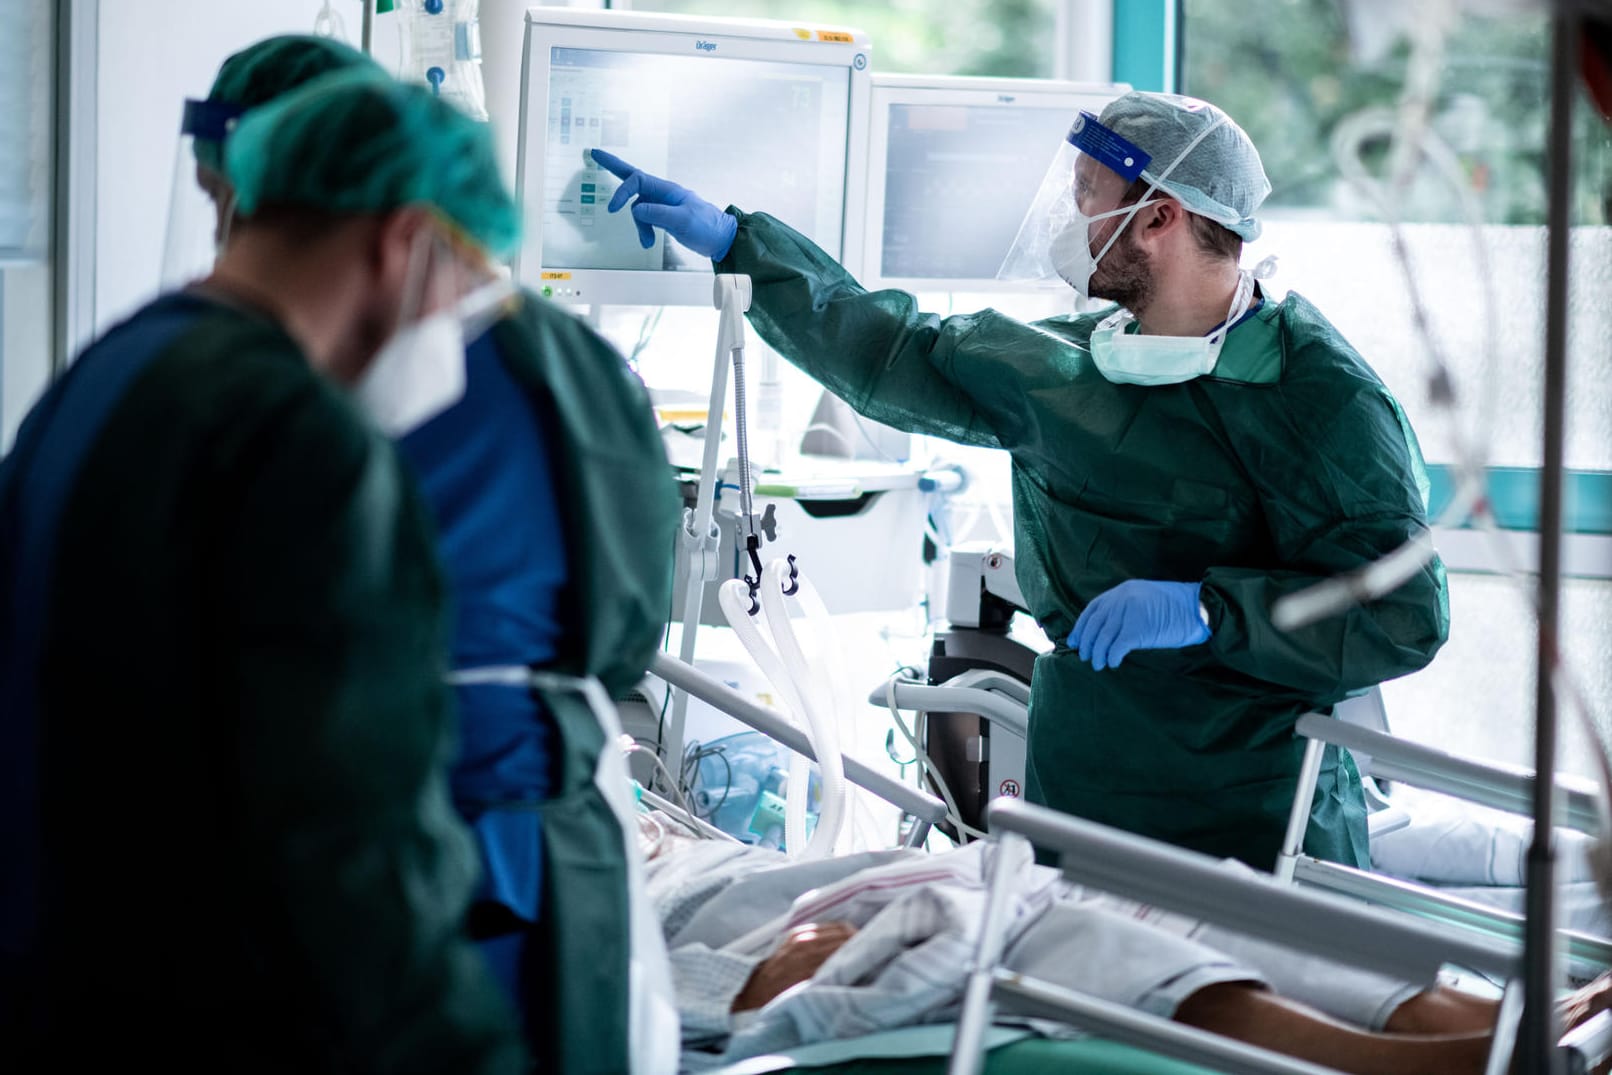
(202, 201)
(1080, 209)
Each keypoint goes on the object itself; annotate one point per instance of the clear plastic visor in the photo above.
(1075, 184)
(201, 200)
(1089, 174)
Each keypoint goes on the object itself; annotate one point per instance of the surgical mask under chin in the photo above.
(1070, 250)
(1133, 358)
(420, 371)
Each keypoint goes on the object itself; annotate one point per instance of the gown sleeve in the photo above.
(964, 378)
(1342, 483)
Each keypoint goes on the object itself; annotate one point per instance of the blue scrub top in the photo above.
(485, 466)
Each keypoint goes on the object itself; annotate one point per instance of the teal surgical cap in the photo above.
(357, 141)
(1222, 178)
(259, 73)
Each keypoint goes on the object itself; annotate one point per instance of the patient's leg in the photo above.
(1257, 1016)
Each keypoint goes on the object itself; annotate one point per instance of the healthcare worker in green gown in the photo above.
(1181, 461)
(223, 719)
(554, 511)
(201, 204)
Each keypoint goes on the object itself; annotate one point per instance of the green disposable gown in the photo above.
(621, 512)
(250, 861)
(622, 505)
(1291, 463)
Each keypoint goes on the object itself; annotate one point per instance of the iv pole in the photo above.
(1541, 975)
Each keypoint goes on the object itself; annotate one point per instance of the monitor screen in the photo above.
(768, 116)
(759, 134)
(957, 181)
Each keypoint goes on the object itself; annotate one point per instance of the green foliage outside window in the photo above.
(1001, 38)
(1290, 70)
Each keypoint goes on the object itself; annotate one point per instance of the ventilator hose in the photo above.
(734, 598)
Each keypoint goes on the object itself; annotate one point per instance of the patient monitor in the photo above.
(952, 163)
(762, 115)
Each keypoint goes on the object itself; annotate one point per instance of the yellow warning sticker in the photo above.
(555, 275)
(836, 36)
(804, 35)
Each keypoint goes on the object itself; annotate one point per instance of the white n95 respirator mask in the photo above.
(1070, 249)
(420, 371)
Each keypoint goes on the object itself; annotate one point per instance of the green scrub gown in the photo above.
(1291, 463)
(620, 511)
(250, 861)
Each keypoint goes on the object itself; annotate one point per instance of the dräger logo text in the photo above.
(705, 46)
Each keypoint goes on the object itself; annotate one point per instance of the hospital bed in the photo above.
(1322, 923)
(926, 1051)
(1505, 788)
(1327, 923)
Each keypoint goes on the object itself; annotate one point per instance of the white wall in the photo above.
(152, 56)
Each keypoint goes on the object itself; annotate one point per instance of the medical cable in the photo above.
(691, 765)
(704, 828)
(672, 787)
(926, 765)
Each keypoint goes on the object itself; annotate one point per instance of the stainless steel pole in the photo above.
(1540, 978)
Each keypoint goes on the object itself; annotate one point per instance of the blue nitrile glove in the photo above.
(1138, 614)
(687, 217)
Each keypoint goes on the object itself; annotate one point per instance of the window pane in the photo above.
(1477, 697)
(24, 128)
(1004, 38)
(1349, 270)
(25, 180)
(1291, 70)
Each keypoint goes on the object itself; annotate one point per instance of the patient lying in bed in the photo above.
(769, 954)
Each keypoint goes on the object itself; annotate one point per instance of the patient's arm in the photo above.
(1260, 1017)
(1440, 1030)
(804, 949)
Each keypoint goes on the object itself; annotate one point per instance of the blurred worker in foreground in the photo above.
(538, 457)
(229, 843)
(1181, 461)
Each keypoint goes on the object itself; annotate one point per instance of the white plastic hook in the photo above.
(330, 24)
